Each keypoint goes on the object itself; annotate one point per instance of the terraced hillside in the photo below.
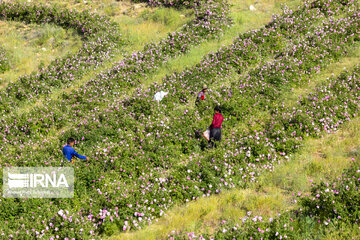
(280, 81)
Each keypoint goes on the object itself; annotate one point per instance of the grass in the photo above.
(151, 25)
(205, 214)
(139, 23)
(32, 46)
(344, 233)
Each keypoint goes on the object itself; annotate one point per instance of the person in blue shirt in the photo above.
(69, 152)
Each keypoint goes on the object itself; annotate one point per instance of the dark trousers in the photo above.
(197, 101)
(215, 136)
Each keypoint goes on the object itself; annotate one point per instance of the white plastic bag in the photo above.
(160, 95)
(206, 134)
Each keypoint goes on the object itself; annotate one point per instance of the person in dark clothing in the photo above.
(201, 95)
(69, 152)
(215, 127)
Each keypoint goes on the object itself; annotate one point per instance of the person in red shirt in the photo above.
(215, 127)
(201, 95)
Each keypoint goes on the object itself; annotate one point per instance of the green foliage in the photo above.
(332, 209)
(101, 37)
(146, 156)
(338, 200)
(4, 60)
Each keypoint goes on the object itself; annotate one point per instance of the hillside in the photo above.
(275, 192)
(285, 76)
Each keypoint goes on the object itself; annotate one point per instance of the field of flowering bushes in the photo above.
(4, 60)
(146, 156)
(169, 3)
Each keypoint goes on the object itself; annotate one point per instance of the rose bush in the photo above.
(4, 60)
